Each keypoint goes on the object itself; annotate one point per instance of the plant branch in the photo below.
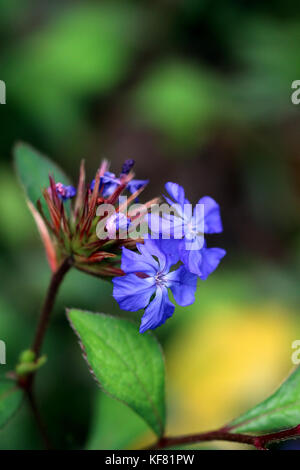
(224, 434)
(39, 422)
(26, 382)
(55, 283)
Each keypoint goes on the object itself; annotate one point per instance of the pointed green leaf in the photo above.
(128, 366)
(33, 170)
(115, 425)
(10, 400)
(280, 411)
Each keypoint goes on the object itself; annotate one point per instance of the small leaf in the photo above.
(33, 170)
(46, 239)
(25, 368)
(10, 400)
(280, 411)
(27, 356)
(128, 366)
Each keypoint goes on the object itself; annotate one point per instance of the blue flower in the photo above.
(117, 222)
(189, 225)
(65, 192)
(195, 222)
(134, 185)
(109, 182)
(148, 276)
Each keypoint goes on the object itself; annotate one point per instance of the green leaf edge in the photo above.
(240, 424)
(51, 162)
(12, 389)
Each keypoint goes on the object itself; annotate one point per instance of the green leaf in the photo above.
(33, 170)
(128, 366)
(115, 426)
(10, 400)
(280, 411)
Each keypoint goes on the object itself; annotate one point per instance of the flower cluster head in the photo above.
(176, 238)
(69, 227)
(170, 256)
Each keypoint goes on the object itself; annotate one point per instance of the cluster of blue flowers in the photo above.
(151, 272)
(109, 182)
(174, 260)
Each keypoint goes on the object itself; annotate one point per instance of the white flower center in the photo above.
(191, 231)
(160, 279)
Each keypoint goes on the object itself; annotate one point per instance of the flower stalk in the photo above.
(224, 434)
(54, 286)
(25, 380)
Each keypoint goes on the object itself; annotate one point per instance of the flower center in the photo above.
(160, 279)
(191, 231)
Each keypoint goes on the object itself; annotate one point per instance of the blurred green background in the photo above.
(197, 93)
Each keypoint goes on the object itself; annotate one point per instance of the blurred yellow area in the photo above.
(221, 364)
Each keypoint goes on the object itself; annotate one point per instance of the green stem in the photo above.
(26, 382)
(37, 417)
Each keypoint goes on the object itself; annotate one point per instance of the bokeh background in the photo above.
(197, 93)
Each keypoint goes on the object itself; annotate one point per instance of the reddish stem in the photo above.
(224, 434)
(55, 283)
(26, 382)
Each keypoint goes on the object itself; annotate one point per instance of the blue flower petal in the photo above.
(211, 258)
(169, 226)
(108, 177)
(117, 222)
(170, 247)
(181, 205)
(176, 192)
(109, 189)
(183, 285)
(65, 192)
(191, 259)
(133, 262)
(166, 252)
(108, 183)
(212, 217)
(151, 248)
(70, 192)
(133, 293)
(194, 242)
(92, 185)
(134, 185)
(158, 311)
(202, 262)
